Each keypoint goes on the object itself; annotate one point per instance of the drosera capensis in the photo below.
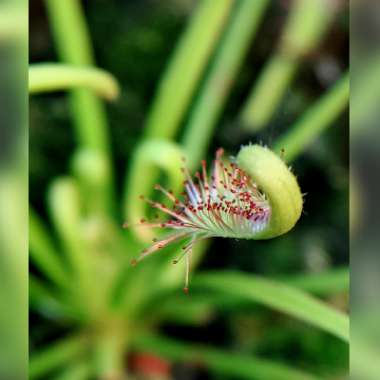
(255, 196)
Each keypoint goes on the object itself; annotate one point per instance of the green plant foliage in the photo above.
(221, 362)
(93, 312)
(279, 296)
(53, 77)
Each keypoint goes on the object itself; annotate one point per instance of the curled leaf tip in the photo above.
(254, 197)
(278, 183)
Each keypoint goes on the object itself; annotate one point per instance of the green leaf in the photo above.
(279, 296)
(223, 71)
(56, 355)
(77, 371)
(315, 120)
(202, 305)
(327, 282)
(41, 298)
(183, 73)
(72, 41)
(45, 77)
(43, 252)
(306, 25)
(225, 363)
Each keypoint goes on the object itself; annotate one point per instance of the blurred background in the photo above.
(120, 90)
(364, 189)
(13, 190)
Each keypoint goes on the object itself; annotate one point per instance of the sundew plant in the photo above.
(136, 171)
(229, 203)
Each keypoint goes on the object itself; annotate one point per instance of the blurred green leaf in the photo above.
(43, 252)
(315, 120)
(65, 206)
(45, 77)
(44, 300)
(306, 25)
(77, 371)
(279, 296)
(73, 43)
(201, 306)
(183, 72)
(225, 66)
(325, 283)
(58, 354)
(241, 366)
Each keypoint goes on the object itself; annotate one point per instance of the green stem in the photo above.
(47, 77)
(74, 47)
(315, 120)
(110, 348)
(225, 67)
(58, 354)
(307, 24)
(267, 92)
(222, 363)
(185, 68)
